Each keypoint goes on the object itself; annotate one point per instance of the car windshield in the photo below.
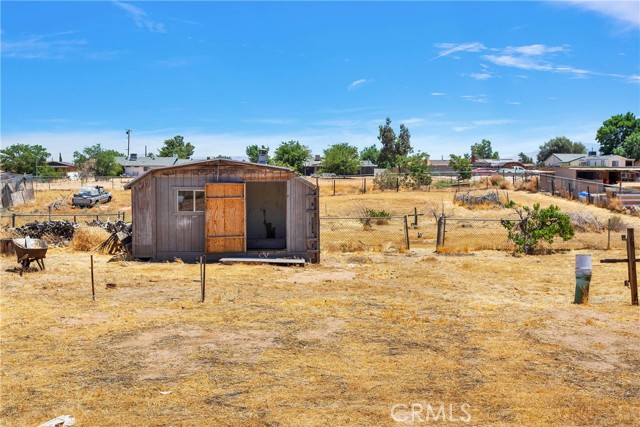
(88, 191)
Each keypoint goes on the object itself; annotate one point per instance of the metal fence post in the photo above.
(609, 234)
(440, 232)
(406, 231)
(13, 220)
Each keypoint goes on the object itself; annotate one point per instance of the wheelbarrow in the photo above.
(29, 250)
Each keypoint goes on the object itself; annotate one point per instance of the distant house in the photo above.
(62, 166)
(588, 160)
(135, 166)
(313, 166)
(563, 159)
(440, 167)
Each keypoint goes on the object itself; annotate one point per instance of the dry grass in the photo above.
(332, 344)
(88, 238)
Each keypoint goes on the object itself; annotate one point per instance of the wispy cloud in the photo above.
(447, 49)
(141, 18)
(623, 11)
(358, 83)
(479, 99)
(45, 46)
(513, 103)
(481, 76)
(438, 94)
(536, 57)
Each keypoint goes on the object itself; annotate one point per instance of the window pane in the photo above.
(185, 201)
(199, 201)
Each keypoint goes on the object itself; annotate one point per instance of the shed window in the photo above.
(190, 200)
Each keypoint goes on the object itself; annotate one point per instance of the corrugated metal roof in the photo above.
(152, 161)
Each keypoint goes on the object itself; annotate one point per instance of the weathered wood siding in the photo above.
(160, 231)
(302, 231)
(143, 210)
(179, 234)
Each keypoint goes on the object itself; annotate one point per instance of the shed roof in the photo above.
(151, 161)
(566, 157)
(205, 164)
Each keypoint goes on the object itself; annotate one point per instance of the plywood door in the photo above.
(225, 213)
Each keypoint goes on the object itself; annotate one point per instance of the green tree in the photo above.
(23, 158)
(176, 145)
(537, 225)
(341, 159)
(631, 146)
(418, 171)
(523, 158)
(614, 131)
(95, 160)
(462, 165)
(483, 150)
(371, 154)
(291, 154)
(253, 152)
(393, 148)
(560, 145)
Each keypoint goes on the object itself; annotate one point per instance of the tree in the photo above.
(535, 225)
(23, 158)
(253, 152)
(560, 144)
(483, 150)
(631, 146)
(393, 148)
(462, 165)
(523, 158)
(341, 159)
(176, 145)
(614, 131)
(291, 154)
(370, 153)
(96, 161)
(418, 171)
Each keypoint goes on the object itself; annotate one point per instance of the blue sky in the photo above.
(229, 74)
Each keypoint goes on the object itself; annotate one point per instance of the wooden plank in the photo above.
(281, 261)
(225, 213)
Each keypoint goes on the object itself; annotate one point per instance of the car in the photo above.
(87, 197)
(483, 172)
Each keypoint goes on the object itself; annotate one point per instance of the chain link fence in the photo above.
(473, 234)
(373, 234)
(18, 220)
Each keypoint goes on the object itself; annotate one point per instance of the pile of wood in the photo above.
(53, 232)
(111, 227)
(120, 239)
(485, 198)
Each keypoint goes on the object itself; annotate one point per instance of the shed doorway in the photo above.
(266, 215)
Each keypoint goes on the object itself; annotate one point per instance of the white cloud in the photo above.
(523, 63)
(140, 17)
(624, 11)
(461, 128)
(534, 49)
(43, 46)
(358, 83)
(481, 76)
(513, 103)
(447, 49)
(438, 94)
(479, 99)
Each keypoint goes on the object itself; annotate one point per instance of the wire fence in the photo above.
(372, 234)
(18, 220)
(473, 234)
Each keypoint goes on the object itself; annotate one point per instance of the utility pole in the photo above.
(128, 132)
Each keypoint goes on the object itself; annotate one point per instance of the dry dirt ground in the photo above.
(482, 338)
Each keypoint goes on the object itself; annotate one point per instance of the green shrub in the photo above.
(537, 224)
(380, 217)
(386, 181)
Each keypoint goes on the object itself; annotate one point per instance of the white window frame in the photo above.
(193, 208)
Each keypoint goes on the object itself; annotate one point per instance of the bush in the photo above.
(386, 181)
(537, 224)
(381, 217)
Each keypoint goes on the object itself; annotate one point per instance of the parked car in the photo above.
(483, 172)
(90, 196)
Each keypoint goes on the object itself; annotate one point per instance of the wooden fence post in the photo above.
(203, 276)
(406, 232)
(93, 289)
(631, 259)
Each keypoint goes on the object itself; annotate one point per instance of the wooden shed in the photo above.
(224, 208)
